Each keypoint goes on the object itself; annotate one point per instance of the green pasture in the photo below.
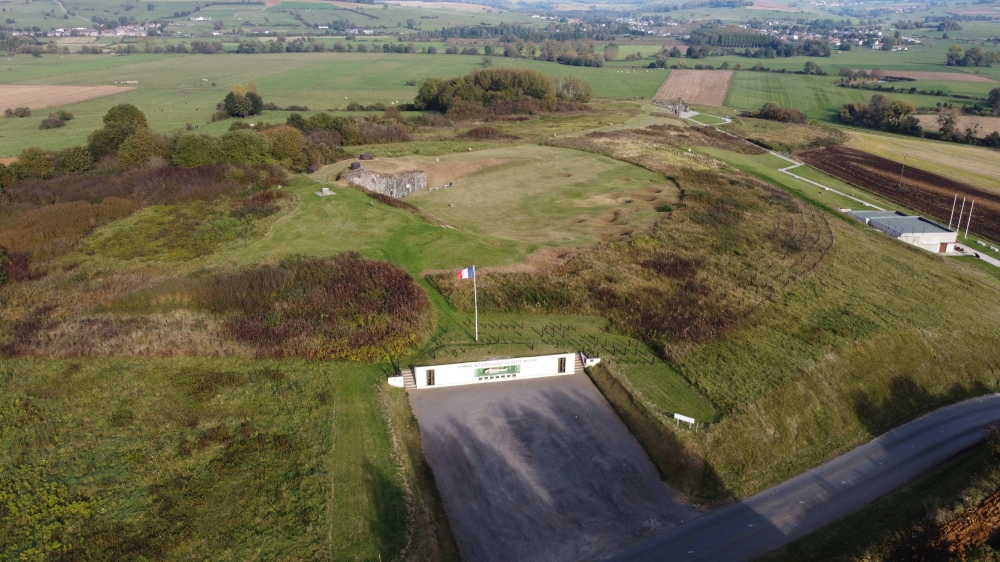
(351, 221)
(177, 89)
(243, 459)
(817, 96)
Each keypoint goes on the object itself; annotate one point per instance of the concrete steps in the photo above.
(577, 364)
(409, 381)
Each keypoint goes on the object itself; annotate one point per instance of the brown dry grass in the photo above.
(986, 124)
(41, 96)
(941, 76)
(703, 87)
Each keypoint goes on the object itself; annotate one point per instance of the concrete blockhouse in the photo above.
(397, 184)
(918, 231)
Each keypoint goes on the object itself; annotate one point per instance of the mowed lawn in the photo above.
(174, 90)
(174, 459)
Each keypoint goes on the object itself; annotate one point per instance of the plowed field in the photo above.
(930, 193)
(703, 87)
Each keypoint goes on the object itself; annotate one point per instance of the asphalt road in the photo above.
(791, 510)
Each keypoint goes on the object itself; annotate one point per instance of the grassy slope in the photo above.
(959, 483)
(867, 342)
(292, 463)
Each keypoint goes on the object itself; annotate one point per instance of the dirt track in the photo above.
(703, 87)
(42, 96)
(929, 193)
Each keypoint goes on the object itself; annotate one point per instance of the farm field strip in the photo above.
(968, 164)
(696, 86)
(42, 96)
(931, 194)
(944, 76)
(986, 124)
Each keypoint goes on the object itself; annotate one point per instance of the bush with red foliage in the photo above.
(342, 307)
(156, 186)
(14, 266)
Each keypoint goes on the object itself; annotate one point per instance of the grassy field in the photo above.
(177, 89)
(170, 459)
(817, 96)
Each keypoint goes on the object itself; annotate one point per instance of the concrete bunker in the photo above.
(396, 184)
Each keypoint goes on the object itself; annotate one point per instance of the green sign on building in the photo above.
(493, 371)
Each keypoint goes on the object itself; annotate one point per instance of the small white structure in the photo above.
(917, 231)
(494, 370)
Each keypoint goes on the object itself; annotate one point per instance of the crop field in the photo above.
(927, 192)
(38, 97)
(986, 124)
(968, 164)
(696, 86)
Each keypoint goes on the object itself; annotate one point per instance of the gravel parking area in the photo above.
(541, 470)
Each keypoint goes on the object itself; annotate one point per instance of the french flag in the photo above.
(467, 273)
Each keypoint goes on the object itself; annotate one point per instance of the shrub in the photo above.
(64, 115)
(51, 122)
(342, 307)
(286, 146)
(260, 205)
(139, 147)
(127, 114)
(55, 229)
(774, 112)
(572, 88)
(245, 146)
(106, 141)
(17, 112)
(72, 160)
(191, 151)
(14, 266)
(484, 133)
(33, 163)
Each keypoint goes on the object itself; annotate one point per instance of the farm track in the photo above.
(929, 193)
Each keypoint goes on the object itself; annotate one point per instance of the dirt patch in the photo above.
(41, 96)
(939, 76)
(929, 193)
(540, 470)
(438, 173)
(986, 124)
(703, 87)
(7, 161)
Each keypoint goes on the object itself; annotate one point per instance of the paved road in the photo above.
(806, 503)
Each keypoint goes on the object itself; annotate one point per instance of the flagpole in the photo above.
(475, 293)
